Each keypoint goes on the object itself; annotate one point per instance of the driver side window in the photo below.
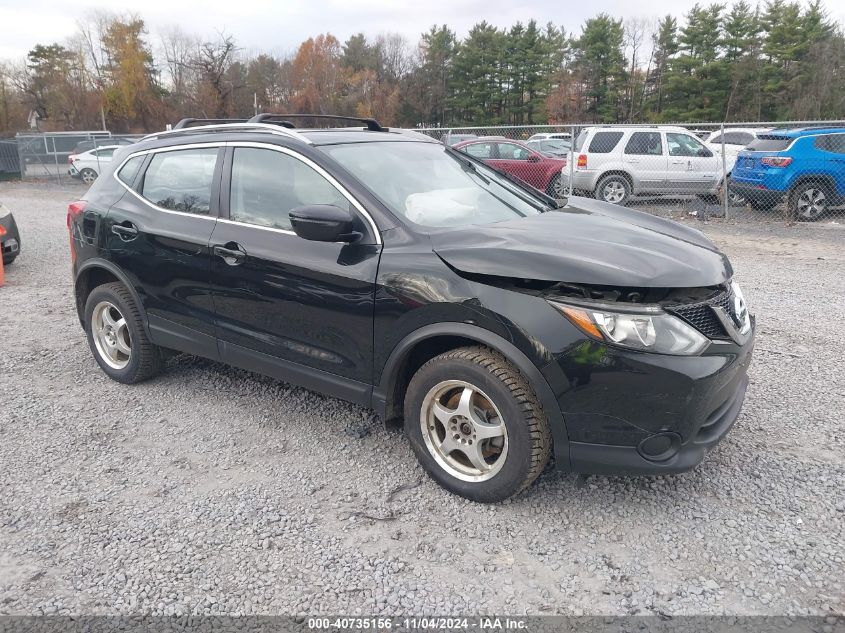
(267, 184)
(511, 151)
(684, 145)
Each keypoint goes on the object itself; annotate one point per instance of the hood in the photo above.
(588, 242)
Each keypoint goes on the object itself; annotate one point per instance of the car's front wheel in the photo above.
(614, 189)
(555, 188)
(117, 337)
(475, 424)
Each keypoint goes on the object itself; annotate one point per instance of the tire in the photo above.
(517, 446)
(555, 188)
(614, 189)
(112, 315)
(88, 176)
(809, 201)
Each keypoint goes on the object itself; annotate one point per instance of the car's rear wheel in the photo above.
(809, 201)
(88, 176)
(614, 189)
(475, 425)
(117, 337)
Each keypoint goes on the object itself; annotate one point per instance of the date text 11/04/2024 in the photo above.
(485, 623)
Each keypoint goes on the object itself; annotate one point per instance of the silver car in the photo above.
(614, 164)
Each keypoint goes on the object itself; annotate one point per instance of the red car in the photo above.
(518, 159)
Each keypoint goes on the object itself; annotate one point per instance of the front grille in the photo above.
(702, 317)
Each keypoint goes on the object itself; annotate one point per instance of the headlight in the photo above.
(649, 330)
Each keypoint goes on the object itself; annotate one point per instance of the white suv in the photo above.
(614, 164)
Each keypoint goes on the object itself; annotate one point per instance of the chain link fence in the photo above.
(63, 156)
(757, 171)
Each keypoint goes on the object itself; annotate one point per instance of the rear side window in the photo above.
(267, 184)
(511, 151)
(645, 144)
(181, 180)
(128, 172)
(604, 142)
(768, 143)
(831, 143)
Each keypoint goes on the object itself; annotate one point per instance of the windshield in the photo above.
(555, 146)
(429, 185)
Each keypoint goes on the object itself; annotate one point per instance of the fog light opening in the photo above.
(660, 446)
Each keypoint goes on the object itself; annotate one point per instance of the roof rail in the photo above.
(189, 122)
(280, 119)
(228, 127)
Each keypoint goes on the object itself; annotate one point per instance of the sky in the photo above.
(279, 26)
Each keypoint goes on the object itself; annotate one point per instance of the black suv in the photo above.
(388, 269)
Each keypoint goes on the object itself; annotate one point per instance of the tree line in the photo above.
(776, 61)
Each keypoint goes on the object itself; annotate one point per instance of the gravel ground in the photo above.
(212, 490)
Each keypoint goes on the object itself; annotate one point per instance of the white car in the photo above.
(615, 163)
(88, 165)
(545, 136)
(735, 139)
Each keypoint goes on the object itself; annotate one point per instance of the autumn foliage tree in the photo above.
(781, 59)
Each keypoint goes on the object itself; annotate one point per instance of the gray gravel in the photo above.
(212, 490)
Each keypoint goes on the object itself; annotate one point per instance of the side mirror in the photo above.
(323, 223)
(533, 158)
(705, 153)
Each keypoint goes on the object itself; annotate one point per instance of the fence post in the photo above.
(571, 157)
(726, 183)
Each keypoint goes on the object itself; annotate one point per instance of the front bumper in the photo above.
(10, 243)
(633, 413)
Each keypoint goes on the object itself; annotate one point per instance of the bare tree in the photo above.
(636, 36)
(212, 63)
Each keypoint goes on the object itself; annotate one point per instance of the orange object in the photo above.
(582, 320)
(2, 272)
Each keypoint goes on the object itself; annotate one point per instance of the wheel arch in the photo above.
(616, 172)
(823, 179)
(429, 341)
(96, 272)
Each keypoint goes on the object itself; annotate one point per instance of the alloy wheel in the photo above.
(811, 203)
(464, 431)
(111, 335)
(88, 176)
(613, 192)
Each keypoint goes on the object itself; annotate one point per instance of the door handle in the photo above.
(125, 231)
(231, 252)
